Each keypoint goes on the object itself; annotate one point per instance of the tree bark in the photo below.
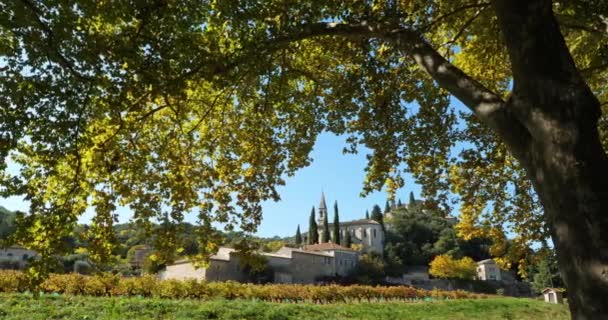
(565, 159)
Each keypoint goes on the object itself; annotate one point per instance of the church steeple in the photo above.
(322, 209)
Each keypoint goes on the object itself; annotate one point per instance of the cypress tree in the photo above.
(387, 207)
(313, 233)
(325, 237)
(412, 199)
(377, 215)
(347, 239)
(298, 236)
(367, 214)
(336, 224)
(399, 204)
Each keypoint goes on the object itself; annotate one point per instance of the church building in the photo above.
(365, 232)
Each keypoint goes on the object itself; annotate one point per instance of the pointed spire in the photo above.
(322, 205)
(322, 209)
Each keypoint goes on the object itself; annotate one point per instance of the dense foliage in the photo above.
(148, 286)
(446, 267)
(545, 273)
(7, 223)
(416, 235)
(371, 269)
(176, 108)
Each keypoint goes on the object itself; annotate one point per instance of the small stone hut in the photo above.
(553, 295)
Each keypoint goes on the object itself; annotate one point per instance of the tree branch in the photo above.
(53, 50)
(485, 104)
(455, 11)
(465, 26)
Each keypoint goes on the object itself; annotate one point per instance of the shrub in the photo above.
(82, 267)
(370, 269)
(12, 281)
(444, 266)
(107, 284)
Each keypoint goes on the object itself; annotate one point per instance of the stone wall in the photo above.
(369, 235)
(307, 267)
(345, 262)
(218, 270)
(17, 255)
(182, 271)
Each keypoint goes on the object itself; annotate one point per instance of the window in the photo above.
(25, 256)
(374, 233)
(9, 254)
(364, 233)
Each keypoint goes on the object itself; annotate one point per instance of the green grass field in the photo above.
(20, 306)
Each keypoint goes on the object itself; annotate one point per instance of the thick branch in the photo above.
(542, 66)
(485, 104)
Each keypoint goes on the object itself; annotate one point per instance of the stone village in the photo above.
(309, 263)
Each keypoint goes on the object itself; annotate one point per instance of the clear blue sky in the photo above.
(339, 176)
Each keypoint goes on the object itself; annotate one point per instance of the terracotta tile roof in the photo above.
(325, 247)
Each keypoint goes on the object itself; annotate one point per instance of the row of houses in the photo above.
(288, 265)
(304, 265)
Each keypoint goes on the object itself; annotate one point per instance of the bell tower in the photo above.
(322, 210)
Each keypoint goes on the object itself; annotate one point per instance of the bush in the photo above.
(444, 266)
(82, 267)
(12, 281)
(148, 286)
(370, 269)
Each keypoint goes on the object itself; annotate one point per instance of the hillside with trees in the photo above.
(7, 223)
(415, 235)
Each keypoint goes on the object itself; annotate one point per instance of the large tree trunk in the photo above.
(573, 188)
(564, 157)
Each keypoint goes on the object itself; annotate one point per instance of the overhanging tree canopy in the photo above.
(175, 106)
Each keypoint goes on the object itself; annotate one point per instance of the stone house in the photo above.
(289, 265)
(223, 266)
(16, 255)
(488, 270)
